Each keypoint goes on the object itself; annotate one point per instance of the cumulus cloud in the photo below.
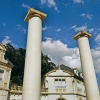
(25, 6)
(3, 24)
(50, 3)
(45, 28)
(60, 52)
(78, 1)
(89, 16)
(59, 29)
(97, 31)
(78, 28)
(96, 59)
(20, 28)
(6, 40)
(73, 27)
(97, 39)
(15, 45)
(84, 27)
(91, 30)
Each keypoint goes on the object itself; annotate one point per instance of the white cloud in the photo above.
(80, 28)
(96, 59)
(45, 28)
(98, 48)
(84, 27)
(43, 1)
(89, 16)
(96, 31)
(3, 24)
(59, 29)
(91, 30)
(73, 27)
(78, 1)
(50, 3)
(20, 28)
(25, 6)
(83, 15)
(97, 39)
(15, 45)
(60, 52)
(6, 40)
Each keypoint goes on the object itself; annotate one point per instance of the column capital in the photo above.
(82, 34)
(32, 12)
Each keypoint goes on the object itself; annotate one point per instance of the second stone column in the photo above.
(92, 91)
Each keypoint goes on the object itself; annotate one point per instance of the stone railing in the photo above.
(44, 89)
(17, 88)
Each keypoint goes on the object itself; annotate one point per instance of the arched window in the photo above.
(61, 98)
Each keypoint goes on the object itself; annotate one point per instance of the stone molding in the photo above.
(35, 13)
(82, 34)
(4, 89)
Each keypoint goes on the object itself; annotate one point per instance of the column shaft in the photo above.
(88, 69)
(32, 71)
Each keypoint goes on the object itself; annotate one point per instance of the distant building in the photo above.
(61, 83)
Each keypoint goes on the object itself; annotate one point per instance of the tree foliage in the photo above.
(17, 57)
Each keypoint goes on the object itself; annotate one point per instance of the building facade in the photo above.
(62, 83)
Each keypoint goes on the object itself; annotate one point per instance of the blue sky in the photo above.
(64, 19)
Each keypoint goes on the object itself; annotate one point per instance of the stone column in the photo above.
(90, 81)
(32, 71)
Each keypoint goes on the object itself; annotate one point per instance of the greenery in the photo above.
(17, 57)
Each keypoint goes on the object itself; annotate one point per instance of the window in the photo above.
(1, 74)
(60, 83)
(79, 87)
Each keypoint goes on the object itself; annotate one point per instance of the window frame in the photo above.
(2, 72)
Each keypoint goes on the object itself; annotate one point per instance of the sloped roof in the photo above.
(66, 68)
(63, 67)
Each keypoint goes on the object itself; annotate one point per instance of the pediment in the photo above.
(59, 73)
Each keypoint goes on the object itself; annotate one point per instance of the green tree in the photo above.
(17, 57)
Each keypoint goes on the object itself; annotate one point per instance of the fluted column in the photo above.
(32, 71)
(90, 81)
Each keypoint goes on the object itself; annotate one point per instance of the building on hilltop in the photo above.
(61, 83)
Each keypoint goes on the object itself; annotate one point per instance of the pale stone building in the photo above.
(5, 72)
(61, 83)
